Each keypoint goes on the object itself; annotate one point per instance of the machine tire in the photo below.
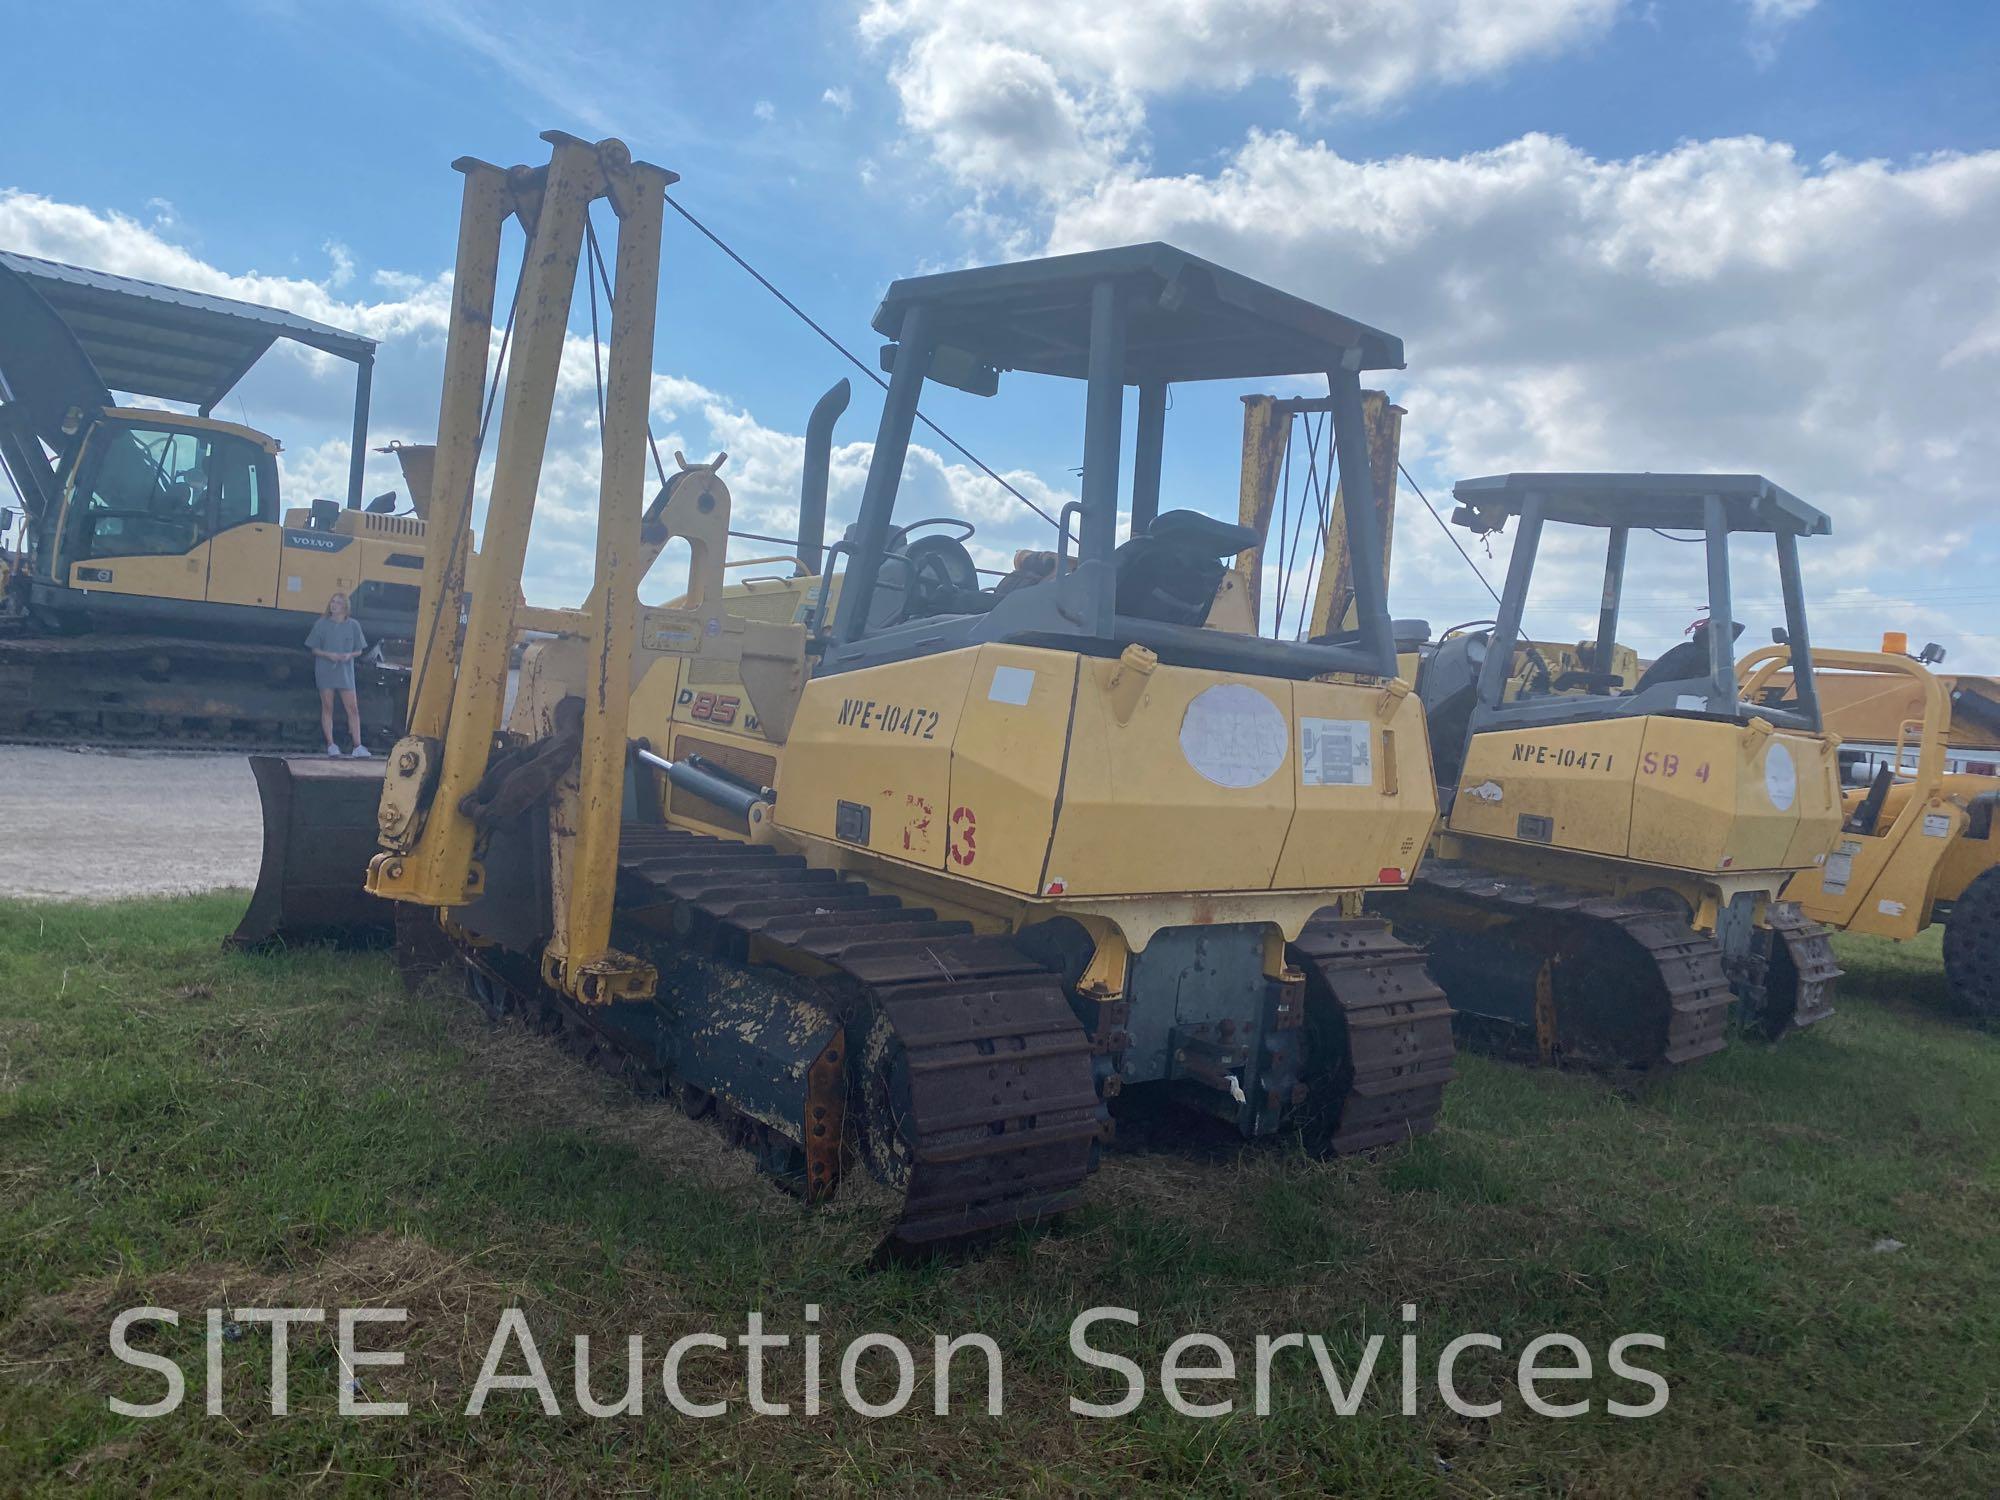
(1972, 946)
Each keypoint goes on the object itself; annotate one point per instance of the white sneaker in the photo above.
(333, 749)
(361, 753)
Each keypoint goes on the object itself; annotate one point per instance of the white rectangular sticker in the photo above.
(1839, 869)
(1336, 752)
(292, 583)
(1011, 685)
(1937, 825)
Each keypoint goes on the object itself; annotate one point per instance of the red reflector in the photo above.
(1389, 875)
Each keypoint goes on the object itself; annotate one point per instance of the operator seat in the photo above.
(1171, 572)
(1687, 662)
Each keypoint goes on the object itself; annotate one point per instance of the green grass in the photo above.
(189, 1128)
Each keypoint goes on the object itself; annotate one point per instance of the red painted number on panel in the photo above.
(964, 829)
(714, 708)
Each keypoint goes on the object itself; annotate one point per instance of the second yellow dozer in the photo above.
(1609, 871)
(915, 889)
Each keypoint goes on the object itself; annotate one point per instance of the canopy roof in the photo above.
(166, 342)
(1186, 318)
(1750, 501)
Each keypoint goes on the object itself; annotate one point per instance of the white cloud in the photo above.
(1768, 21)
(1721, 306)
(764, 110)
(840, 97)
(1050, 93)
(342, 259)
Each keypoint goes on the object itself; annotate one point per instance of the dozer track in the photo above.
(177, 693)
(1789, 979)
(965, 1080)
(1383, 1077)
(973, 1092)
(1595, 978)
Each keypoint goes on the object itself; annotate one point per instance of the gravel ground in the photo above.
(101, 824)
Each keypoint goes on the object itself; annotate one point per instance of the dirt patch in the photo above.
(100, 825)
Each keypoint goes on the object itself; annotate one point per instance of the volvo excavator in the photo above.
(164, 589)
(917, 889)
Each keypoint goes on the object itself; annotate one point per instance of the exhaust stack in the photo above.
(819, 461)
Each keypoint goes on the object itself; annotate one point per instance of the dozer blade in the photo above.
(319, 834)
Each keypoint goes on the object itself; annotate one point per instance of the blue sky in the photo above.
(1719, 234)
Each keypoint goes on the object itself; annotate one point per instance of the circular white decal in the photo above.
(1781, 777)
(1234, 735)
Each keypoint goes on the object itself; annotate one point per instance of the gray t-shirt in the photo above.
(329, 634)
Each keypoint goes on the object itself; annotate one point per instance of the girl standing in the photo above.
(335, 642)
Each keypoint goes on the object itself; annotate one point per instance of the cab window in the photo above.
(145, 493)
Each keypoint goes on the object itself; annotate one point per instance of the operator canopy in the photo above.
(1673, 502)
(1186, 319)
(1140, 315)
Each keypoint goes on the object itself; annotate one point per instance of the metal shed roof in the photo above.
(169, 343)
(1187, 318)
(1751, 501)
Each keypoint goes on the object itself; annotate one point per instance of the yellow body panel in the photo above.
(1885, 883)
(1007, 766)
(878, 739)
(1921, 849)
(1362, 834)
(1967, 858)
(243, 565)
(177, 576)
(1578, 776)
(1138, 817)
(1684, 794)
(1043, 773)
(265, 565)
(1711, 796)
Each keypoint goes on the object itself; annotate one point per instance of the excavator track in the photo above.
(1608, 981)
(177, 693)
(1382, 1050)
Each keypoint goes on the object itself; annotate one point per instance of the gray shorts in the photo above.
(333, 674)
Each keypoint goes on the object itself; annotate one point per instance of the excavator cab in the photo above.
(1632, 841)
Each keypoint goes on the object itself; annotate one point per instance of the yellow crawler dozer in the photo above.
(1610, 869)
(919, 887)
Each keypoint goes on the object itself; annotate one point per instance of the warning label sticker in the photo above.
(1839, 868)
(1336, 752)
